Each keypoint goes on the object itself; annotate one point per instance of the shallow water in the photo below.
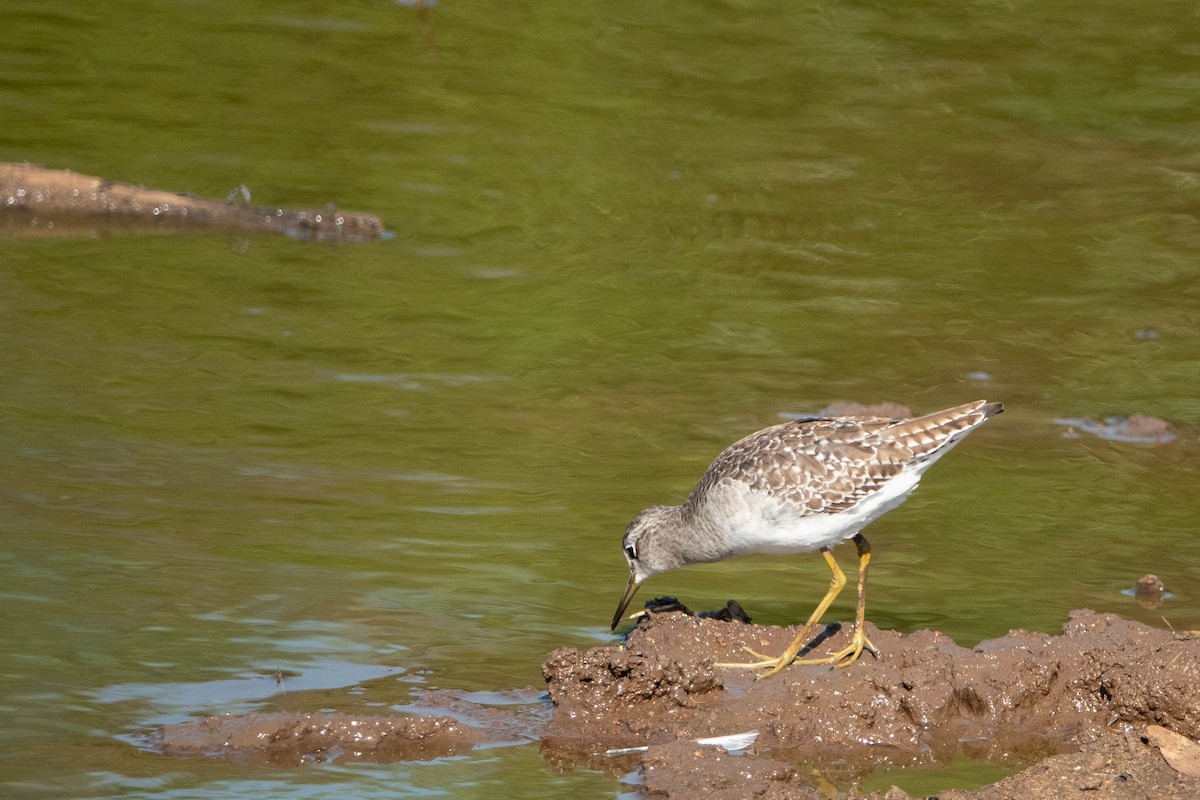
(624, 237)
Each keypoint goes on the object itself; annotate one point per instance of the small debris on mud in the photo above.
(1181, 753)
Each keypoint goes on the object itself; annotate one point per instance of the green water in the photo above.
(625, 235)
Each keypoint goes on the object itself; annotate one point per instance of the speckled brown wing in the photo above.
(928, 435)
(821, 466)
(824, 466)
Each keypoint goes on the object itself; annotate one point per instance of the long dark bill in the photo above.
(630, 590)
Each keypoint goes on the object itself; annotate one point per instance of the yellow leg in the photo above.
(843, 657)
(836, 582)
(859, 642)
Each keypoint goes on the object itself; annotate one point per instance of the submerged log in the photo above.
(35, 201)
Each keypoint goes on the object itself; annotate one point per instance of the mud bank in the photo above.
(921, 697)
(1010, 700)
(51, 202)
(1107, 711)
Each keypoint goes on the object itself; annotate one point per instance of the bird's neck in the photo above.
(701, 537)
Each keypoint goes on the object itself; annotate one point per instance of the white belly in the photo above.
(756, 522)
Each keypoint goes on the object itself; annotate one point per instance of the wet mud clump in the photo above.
(295, 739)
(1078, 697)
(1136, 428)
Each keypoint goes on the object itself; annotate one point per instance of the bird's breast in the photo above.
(754, 521)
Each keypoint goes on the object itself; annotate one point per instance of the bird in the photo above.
(798, 487)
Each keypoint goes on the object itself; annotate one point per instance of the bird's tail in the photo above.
(930, 436)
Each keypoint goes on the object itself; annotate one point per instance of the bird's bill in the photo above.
(630, 590)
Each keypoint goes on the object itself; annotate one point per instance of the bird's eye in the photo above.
(631, 552)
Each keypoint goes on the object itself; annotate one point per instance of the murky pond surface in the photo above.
(625, 235)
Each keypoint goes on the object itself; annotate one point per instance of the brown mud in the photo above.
(38, 202)
(1107, 710)
(296, 739)
(1136, 428)
(1010, 701)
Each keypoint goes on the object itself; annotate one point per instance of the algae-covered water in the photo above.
(625, 234)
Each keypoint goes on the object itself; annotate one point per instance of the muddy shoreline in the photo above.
(1088, 713)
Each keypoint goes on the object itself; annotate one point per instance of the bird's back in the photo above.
(845, 470)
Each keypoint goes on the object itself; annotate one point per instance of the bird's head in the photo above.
(647, 550)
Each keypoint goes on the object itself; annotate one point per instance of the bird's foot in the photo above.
(771, 664)
(841, 659)
(847, 655)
